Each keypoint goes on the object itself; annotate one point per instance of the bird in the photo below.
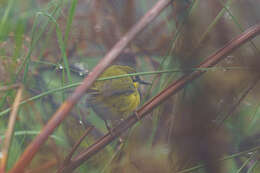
(114, 99)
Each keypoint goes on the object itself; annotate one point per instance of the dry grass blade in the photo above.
(68, 158)
(9, 132)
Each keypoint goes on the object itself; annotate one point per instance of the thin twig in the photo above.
(9, 131)
(66, 107)
(74, 148)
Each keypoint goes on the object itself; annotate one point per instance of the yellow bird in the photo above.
(114, 99)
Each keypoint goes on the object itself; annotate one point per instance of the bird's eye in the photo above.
(136, 78)
(140, 81)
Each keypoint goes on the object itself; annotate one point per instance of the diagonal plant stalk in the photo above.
(74, 148)
(10, 130)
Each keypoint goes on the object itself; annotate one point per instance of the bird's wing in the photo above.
(118, 87)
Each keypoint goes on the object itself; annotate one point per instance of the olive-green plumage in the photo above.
(114, 99)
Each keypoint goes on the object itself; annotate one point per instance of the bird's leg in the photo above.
(108, 128)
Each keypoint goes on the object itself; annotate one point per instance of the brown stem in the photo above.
(10, 129)
(74, 148)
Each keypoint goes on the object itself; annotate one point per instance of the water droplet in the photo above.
(60, 67)
(81, 69)
(227, 15)
(250, 153)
